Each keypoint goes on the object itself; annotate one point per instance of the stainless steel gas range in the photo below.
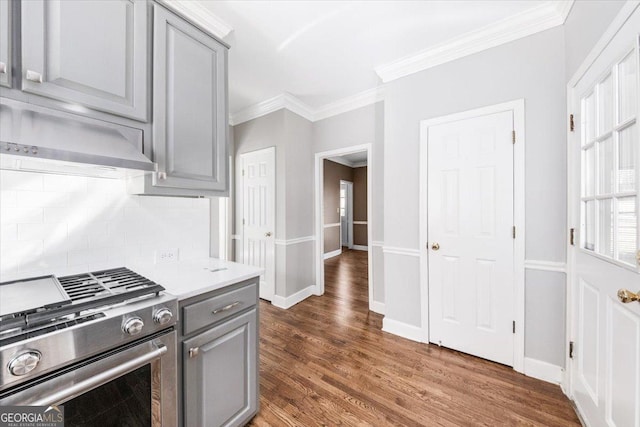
(102, 344)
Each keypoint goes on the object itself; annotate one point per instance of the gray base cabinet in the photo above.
(5, 43)
(220, 357)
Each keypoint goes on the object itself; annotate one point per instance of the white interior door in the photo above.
(258, 196)
(346, 214)
(471, 240)
(603, 188)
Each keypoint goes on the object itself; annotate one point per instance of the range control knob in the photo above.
(24, 363)
(133, 326)
(162, 316)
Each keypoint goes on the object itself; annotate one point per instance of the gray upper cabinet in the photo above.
(220, 374)
(5, 43)
(189, 106)
(92, 53)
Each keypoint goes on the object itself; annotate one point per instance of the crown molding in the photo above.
(362, 99)
(543, 17)
(340, 160)
(201, 16)
(291, 103)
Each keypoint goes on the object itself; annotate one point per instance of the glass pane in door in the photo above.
(605, 105)
(588, 172)
(627, 230)
(627, 81)
(589, 119)
(605, 227)
(589, 225)
(606, 167)
(627, 156)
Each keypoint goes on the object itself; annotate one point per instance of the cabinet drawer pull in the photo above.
(34, 76)
(226, 307)
(193, 352)
(3, 68)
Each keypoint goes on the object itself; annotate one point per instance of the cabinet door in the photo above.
(221, 374)
(92, 53)
(189, 106)
(5, 43)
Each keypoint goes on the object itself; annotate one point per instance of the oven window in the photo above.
(123, 402)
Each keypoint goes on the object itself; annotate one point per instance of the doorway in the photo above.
(346, 214)
(472, 229)
(257, 200)
(330, 223)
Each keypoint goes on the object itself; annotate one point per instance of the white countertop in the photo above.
(186, 279)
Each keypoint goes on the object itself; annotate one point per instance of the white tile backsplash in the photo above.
(55, 224)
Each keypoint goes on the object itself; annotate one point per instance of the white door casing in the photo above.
(604, 177)
(471, 202)
(258, 213)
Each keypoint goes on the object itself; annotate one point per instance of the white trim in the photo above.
(332, 254)
(201, 16)
(349, 103)
(294, 104)
(319, 206)
(359, 222)
(360, 164)
(559, 267)
(402, 329)
(360, 248)
(518, 109)
(563, 8)
(334, 224)
(341, 161)
(379, 243)
(526, 23)
(377, 307)
(283, 242)
(543, 370)
(284, 100)
(400, 251)
(290, 301)
(625, 12)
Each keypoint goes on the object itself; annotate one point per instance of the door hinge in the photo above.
(572, 237)
(242, 221)
(570, 349)
(513, 136)
(514, 326)
(514, 231)
(242, 172)
(572, 126)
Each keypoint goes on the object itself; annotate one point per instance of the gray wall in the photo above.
(291, 135)
(530, 68)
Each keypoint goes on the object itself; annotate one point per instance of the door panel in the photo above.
(258, 207)
(91, 53)
(470, 217)
(604, 159)
(190, 122)
(5, 43)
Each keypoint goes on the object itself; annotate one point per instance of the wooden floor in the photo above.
(326, 362)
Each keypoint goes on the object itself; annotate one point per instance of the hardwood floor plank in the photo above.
(326, 362)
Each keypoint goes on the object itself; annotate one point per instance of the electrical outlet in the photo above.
(166, 255)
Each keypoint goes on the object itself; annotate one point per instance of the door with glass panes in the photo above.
(604, 261)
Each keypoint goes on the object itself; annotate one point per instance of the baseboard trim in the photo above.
(543, 370)
(403, 330)
(333, 253)
(377, 307)
(290, 301)
(360, 248)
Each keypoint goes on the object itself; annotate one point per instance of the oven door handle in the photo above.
(101, 378)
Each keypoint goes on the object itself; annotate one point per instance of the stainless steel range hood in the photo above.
(39, 139)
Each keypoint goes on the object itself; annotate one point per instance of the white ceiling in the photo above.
(323, 51)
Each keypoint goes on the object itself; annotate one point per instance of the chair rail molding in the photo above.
(559, 267)
(296, 241)
(401, 251)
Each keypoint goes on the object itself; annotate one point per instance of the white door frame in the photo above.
(517, 107)
(349, 208)
(319, 190)
(618, 22)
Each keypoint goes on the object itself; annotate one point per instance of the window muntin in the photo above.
(609, 165)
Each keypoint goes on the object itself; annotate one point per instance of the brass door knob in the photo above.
(435, 246)
(626, 296)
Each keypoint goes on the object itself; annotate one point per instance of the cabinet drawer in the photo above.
(203, 313)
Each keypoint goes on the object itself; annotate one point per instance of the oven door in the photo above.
(131, 386)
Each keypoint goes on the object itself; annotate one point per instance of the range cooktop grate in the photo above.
(103, 283)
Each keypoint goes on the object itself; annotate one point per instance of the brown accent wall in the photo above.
(360, 206)
(333, 173)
